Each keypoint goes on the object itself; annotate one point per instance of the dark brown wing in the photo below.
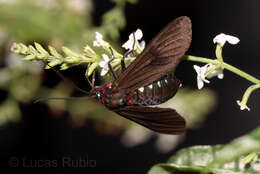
(161, 120)
(161, 56)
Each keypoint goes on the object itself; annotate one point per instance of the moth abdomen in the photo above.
(155, 93)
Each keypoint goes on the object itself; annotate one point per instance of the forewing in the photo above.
(161, 56)
(161, 120)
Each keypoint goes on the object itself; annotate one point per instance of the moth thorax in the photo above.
(115, 98)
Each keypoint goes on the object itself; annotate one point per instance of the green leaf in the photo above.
(23, 49)
(89, 51)
(53, 63)
(32, 50)
(219, 159)
(54, 52)
(91, 68)
(29, 57)
(64, 66)
(68, 52)
(40, 49)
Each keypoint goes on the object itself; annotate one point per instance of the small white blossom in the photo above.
(222, 38)
(201, 75)
(217, 72)
(104, 65)
(242, 105)
(99, 41)
(128, 45)
(142, 45)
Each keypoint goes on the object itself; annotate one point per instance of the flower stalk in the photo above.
(213, 67)
(225, 65)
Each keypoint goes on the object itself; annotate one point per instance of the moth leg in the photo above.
(126, 54)
(111, 68)
(109, 64)
(123, 60)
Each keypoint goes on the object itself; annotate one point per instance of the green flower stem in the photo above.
(219, 52)
(225, 65)
(248, 92)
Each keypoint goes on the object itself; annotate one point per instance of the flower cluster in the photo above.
(210, 70)
(132, 44)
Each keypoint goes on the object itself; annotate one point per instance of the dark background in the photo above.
(44, 137)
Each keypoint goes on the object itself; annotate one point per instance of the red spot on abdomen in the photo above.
(103, 100)
(128, 100)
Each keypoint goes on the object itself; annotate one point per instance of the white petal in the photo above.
(232, 39)
(138, 34)
(99, 41)
(242, 105)
(197, 69)
(221, 39)
(102, 64)
(221, 76)
(218, 73)
(200, 83)
(128, 45)
(201, 71)
(105, 57)
(204, 69)
(104, 71)
(96, 44)
(142, 44)
(99, 36)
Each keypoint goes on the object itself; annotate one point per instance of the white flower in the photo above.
(222, 38)
(217, 72)
(142, 45)
(128, 45)
(99, 41)
(242, 105)
(201, 75)
(104, 65)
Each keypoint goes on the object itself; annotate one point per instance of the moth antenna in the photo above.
(111, 68)
(66, 80)
(59, 98)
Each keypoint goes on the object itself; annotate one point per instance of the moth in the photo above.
(148, 81)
